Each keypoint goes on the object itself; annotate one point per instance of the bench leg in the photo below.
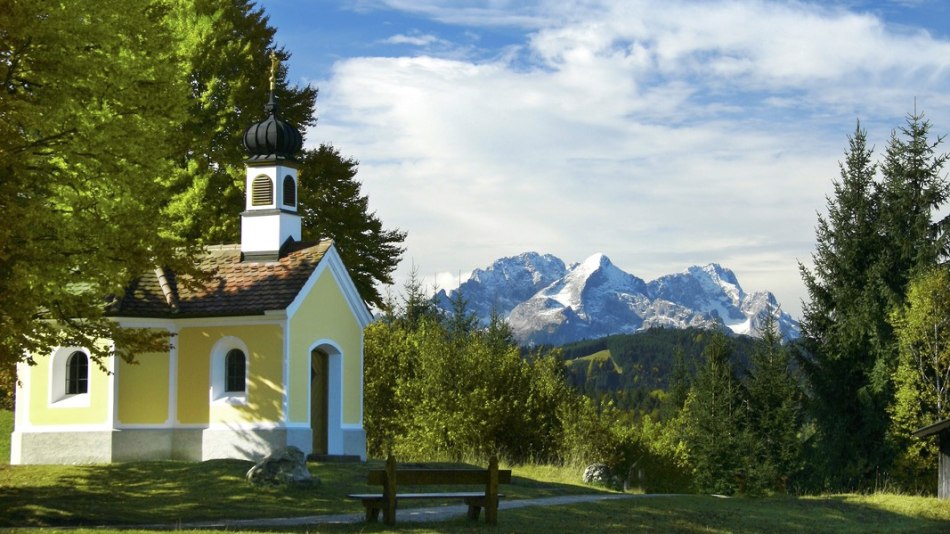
(389, 515)
(372, 513)
(491, 511)
(474, 511)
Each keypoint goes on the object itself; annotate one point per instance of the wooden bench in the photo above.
(390, 477)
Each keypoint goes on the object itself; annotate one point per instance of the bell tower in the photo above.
(270, 218)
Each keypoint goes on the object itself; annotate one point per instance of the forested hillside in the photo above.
(635, 370)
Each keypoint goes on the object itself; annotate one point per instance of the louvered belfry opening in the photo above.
(290, 191)
(262, 191)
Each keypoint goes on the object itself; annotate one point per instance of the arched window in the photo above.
(77, 373)
(290, 191)
(234, 371)
(262, 191)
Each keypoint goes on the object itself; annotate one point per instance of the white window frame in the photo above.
(58, 398)
(219, 362)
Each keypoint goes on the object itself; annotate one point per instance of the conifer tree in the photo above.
(714, 422)
(332, 206)
(223, 50)
(223, 57)
(680, 379)
(775, 413)
(839, 322)
(875, 237)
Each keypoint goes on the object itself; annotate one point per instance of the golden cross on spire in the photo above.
(274, 62)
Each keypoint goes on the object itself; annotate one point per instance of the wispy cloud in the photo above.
(413, 39)
(661, 133)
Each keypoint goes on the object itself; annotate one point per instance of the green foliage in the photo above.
(222, 49)
(601, 434)
(921, 382)
(715, 425)
(6, 428)
(222, 56)
(875, 237)
(664, 466)
(332, 206)
(442, 388)
(643, 365)
(92, 107)
(775, 416)
(680, 380)
(431, 392)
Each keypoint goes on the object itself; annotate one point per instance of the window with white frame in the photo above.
(69, 377)
(229, 371)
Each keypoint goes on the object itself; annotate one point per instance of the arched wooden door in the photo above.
(319, 399)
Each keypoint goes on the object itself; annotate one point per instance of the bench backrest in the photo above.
(415, 476)
(439, 476)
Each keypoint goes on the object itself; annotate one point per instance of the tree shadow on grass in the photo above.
(170, 492)
(161, 492)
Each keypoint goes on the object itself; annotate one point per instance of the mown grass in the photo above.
(172, 492)
(175, 493)
(690, 514)
(6, 426)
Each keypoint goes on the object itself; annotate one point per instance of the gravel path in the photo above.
(417, 515)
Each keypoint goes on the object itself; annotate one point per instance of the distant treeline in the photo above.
(631, 369)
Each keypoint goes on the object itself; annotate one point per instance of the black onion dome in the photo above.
(272, 138)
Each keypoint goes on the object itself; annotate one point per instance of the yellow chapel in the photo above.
(266, 353)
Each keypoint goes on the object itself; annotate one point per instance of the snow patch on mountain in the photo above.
(546, 302)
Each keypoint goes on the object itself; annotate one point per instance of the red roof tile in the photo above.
(234, 287)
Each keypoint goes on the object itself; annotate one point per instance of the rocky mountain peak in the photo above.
(546, 302)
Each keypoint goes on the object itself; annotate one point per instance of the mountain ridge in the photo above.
(548, 302)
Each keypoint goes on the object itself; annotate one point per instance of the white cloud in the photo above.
(413, 39)
(664, 134)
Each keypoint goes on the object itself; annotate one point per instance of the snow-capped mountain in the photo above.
(505, 284)
(546, 302)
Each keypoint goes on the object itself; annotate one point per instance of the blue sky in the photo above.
(662, 133)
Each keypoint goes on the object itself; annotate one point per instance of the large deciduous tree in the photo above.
(922, 380)
(90, 112)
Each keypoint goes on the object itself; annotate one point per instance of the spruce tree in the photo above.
(875, 237)
(714, 423)
(333, 206)
(223, 57)
(839, 322)
(222, 48)
(775, 413)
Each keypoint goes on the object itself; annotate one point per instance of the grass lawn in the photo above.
(167, 492)
(6, 426)
(171, 492)
(691, 514)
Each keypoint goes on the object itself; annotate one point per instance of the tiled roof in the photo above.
(234, 287)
